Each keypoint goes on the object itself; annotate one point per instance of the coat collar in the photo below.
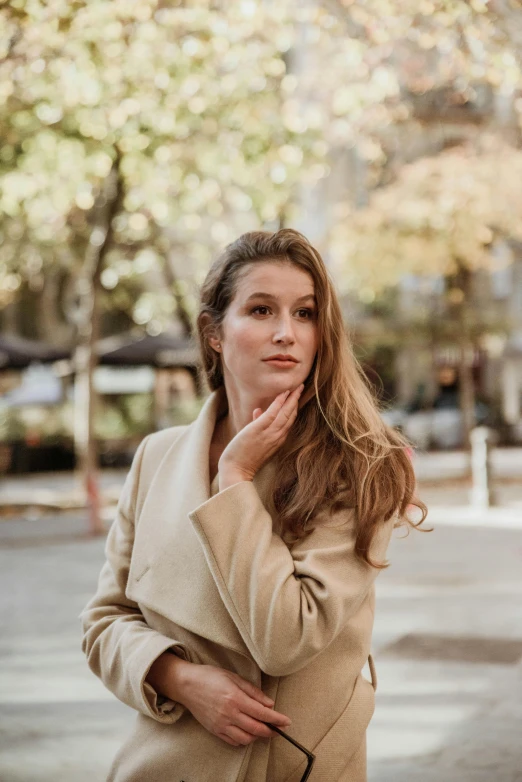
(198, 437)
(169, 573)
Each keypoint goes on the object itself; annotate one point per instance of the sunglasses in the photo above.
(309, 755)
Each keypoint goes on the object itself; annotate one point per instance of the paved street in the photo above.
(63, 489)
(447, 645)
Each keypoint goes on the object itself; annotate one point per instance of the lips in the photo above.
(290, 359)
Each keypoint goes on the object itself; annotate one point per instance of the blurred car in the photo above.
(433, 428)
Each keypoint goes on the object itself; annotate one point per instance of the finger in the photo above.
(282, 400)
(273, 409)
(227, 739)
(241, 736)
(256, 727)
(294, 414)
(281, 404)
(253, 691)
(290, 406)
(293, 397)
(264, 713)
(253, 727)
(254, 703)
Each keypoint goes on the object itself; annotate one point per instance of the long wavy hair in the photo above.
(339, 453)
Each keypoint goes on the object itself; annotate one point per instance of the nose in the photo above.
(285, 330)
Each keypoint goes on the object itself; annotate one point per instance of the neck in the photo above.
(237, 413)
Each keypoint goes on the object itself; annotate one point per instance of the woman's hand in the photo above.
(228, 706)
(259, 440)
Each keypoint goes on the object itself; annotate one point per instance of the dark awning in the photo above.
(163, 350)
(18, 352)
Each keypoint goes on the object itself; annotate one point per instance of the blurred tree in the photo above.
(139, 138)
(220, 114)
(442, 216)
(133, 133)
(137, 134)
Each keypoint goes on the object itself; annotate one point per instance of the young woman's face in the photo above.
(274, 311)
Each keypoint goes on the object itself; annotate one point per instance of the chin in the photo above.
(282, 385)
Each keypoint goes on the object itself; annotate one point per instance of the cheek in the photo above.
(312, 342)
(243, 336)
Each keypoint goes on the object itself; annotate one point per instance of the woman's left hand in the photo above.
(259, 440)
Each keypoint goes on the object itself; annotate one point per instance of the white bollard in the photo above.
(481, 494)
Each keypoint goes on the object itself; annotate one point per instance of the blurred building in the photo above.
(400, 342)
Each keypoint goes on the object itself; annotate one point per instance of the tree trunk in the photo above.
(88, 321)
(466, 350)
(182, 311)
(466, 388)
(52, 328)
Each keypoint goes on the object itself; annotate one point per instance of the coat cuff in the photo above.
(236, 507)
(210, 514)
(157, 706)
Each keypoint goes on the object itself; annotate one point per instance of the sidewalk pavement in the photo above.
(63, 490)
(447, 645)
(506, 464)
(55, 491)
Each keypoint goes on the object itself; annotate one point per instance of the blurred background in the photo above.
(137, 139)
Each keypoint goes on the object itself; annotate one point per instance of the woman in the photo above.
(239, 583)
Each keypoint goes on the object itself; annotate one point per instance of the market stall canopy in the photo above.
(39, 386)
(163, 350)
(18, 352)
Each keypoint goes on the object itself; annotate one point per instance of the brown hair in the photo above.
(340, 453)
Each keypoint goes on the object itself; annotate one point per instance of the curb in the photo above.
(468, 516)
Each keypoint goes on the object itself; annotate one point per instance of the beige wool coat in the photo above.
(206, 574)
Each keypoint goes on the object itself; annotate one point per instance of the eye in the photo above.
(309, 314)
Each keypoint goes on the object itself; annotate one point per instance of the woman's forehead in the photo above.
(275, 278)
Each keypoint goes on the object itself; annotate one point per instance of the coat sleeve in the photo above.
(119, 645)
(287, 604)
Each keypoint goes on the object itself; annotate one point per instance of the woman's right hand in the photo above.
(229, 706)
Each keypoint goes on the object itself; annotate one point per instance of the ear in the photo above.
(213, 338)
(215, 343)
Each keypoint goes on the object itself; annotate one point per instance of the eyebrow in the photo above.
(261, 295)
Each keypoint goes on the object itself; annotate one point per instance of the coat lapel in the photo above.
(169, 573)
